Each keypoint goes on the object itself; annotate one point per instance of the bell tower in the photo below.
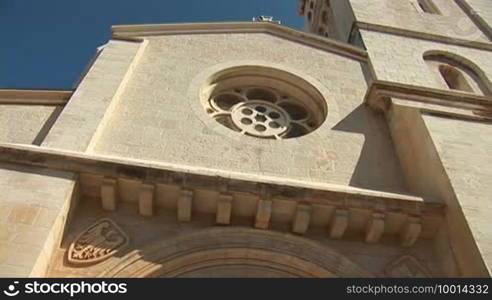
(428, 60)
(328, 18)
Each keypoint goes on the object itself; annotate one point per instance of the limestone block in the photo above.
(24, 123)
(411, 231)
(185, 202)
(375, 228)
(139, 131)
(339, 223)
(302, 219)
(108, 194)
(146, 200)
(224, 209)
(263, 214)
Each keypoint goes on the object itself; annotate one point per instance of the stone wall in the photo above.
(344, 18)
(25, 124)
(465, 151)
(483, 10)
(35, 203)
(405, 64)
(151, 237)
(160, 118)
(93, 100)
(452, 22)
(33, 210)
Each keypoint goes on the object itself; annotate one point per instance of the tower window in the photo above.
(324, 17)
(454, 79)
(327, 19)
(428, 6)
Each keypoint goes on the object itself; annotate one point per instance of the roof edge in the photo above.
(133, 31)
(35, 96)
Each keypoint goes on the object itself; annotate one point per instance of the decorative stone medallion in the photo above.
(98, 242)
(406, 267)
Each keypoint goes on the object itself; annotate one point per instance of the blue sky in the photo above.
(47, 43)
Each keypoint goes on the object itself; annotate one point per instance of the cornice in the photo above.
(423, 36)
(34, 97)
(453, 103)
(349, 206)
(267, 186)
(142, 31)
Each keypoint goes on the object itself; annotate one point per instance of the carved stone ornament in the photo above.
(406, 267)
(98, 242)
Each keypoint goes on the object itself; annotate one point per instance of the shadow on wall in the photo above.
(378, 167)
(38, 140)
(32, 170)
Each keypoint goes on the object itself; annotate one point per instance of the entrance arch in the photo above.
(235, 252)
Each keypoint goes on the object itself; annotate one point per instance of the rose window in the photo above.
(266, 107)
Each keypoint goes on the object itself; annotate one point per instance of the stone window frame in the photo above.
(426, 6)
(457, 73)
(233, 95)
(322, 89)
(454, 78)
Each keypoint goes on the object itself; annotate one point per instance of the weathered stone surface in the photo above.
(185, 203)
(33, 210)
(146, 200)
(385, 171)
(224, 209)
(339, 223)
(109, 194)
(302, 219)
(263, 214)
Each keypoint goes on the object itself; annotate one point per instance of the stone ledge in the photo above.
(423, 36)
(261, 185)
(380, 95)
(34, 97)
(132, 31)
(276, 199)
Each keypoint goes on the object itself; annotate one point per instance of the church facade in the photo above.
(361, 147)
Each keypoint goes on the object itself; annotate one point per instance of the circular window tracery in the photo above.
(264, 106)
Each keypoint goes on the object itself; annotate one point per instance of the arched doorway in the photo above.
(235, 252)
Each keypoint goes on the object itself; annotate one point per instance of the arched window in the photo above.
(428, 6)
(454, 78)
(457, 73)
(324, 17)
